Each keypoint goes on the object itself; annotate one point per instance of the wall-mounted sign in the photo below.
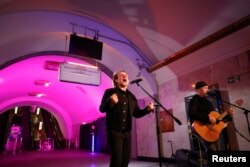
(77, 73)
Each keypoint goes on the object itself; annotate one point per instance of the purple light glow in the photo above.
(70, 103)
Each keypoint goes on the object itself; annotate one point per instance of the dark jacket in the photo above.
(199, 109)
(114, 111)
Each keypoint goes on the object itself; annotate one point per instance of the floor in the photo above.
(66, 158)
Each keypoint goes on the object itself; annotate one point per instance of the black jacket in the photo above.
(114, 111)
(199, 109)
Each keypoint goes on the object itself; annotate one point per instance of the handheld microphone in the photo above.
(136, 81)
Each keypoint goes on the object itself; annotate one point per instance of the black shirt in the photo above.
(119, 115)
(199, 109)
(124, 115)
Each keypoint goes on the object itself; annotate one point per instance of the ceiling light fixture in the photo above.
(16, 110)
(45, 83)
(52, 65)
(36, 94)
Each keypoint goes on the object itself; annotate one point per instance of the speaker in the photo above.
(188, 158)
(85, 47)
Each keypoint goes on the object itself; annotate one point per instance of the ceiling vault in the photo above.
(238, 25)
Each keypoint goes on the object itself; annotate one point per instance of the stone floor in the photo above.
(65, 158)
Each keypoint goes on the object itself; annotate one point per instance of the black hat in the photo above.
(200, 84)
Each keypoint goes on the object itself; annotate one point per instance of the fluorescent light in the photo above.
(36, 94)
(84, 65)
(93, 143)
(40, 126)
(42, 83)
(16, 109)
(40, 95)
(37, 111)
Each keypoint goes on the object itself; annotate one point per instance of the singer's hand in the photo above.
(114, 98)
(150, 107)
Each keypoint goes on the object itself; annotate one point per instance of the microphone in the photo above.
(136, 81)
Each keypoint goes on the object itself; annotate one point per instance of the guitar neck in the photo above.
(223, 115)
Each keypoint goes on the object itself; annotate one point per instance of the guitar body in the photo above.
(210, 132)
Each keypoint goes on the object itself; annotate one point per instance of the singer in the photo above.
(120, 105)
(200, 112)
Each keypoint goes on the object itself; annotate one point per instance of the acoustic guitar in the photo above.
(211, 132)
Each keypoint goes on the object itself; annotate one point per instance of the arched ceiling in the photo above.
(136, 35)
(156, 28)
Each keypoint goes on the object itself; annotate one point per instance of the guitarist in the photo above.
(199, 110)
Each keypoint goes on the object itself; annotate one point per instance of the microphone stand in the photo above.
(158, 104)
(245, 112)
(172, 156)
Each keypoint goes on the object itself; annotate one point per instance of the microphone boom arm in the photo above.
(159, 104)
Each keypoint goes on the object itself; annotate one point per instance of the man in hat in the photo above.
(199, 110)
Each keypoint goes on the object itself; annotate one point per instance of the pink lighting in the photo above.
(47, 84)
(27, 80)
